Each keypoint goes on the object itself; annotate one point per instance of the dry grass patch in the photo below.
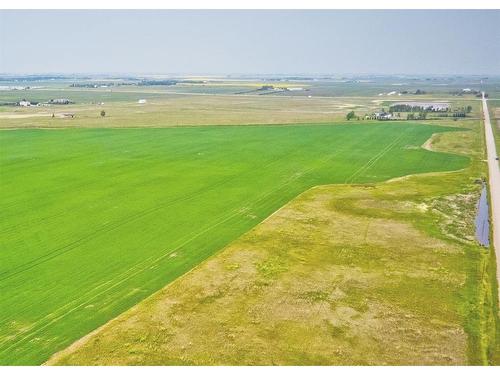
(316, 283)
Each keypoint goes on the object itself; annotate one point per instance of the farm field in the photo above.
(322, 86)
(249, 187)
(218, 102)
(95, 220)
(171, 110)
(372, 274)
(186, 110)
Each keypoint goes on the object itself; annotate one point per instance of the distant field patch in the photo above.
(95, 220)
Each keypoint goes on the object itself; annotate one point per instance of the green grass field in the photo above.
(95, 220)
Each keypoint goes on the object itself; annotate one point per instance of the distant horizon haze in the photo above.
(226, 76)
(250, 42)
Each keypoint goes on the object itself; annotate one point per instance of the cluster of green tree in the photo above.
(409, 108)
(192, 81)
(264, 89)
(465, 109)
(412, 116)
(458, 112)
(165, 82)
(467, 92)
(416, 92)
(60, 101)
(351, 115)
(420, 109)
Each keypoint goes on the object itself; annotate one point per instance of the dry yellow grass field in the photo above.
(178, 110)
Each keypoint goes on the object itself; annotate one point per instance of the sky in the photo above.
(250, 42)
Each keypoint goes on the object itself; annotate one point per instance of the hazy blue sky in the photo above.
(463, 42)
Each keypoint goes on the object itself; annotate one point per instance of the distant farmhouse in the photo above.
(382, 115)
(27, 103)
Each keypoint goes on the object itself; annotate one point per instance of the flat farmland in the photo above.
(180, 110)
(95, 220)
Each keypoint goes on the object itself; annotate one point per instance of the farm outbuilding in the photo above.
(382, 115)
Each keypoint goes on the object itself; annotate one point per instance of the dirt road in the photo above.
(494, 182)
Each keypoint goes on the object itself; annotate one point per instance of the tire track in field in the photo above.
(376, 158)
(276, 160)
(53, 191)
(235, 212)
(124, 276)
(76, 186)
(106, 228)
